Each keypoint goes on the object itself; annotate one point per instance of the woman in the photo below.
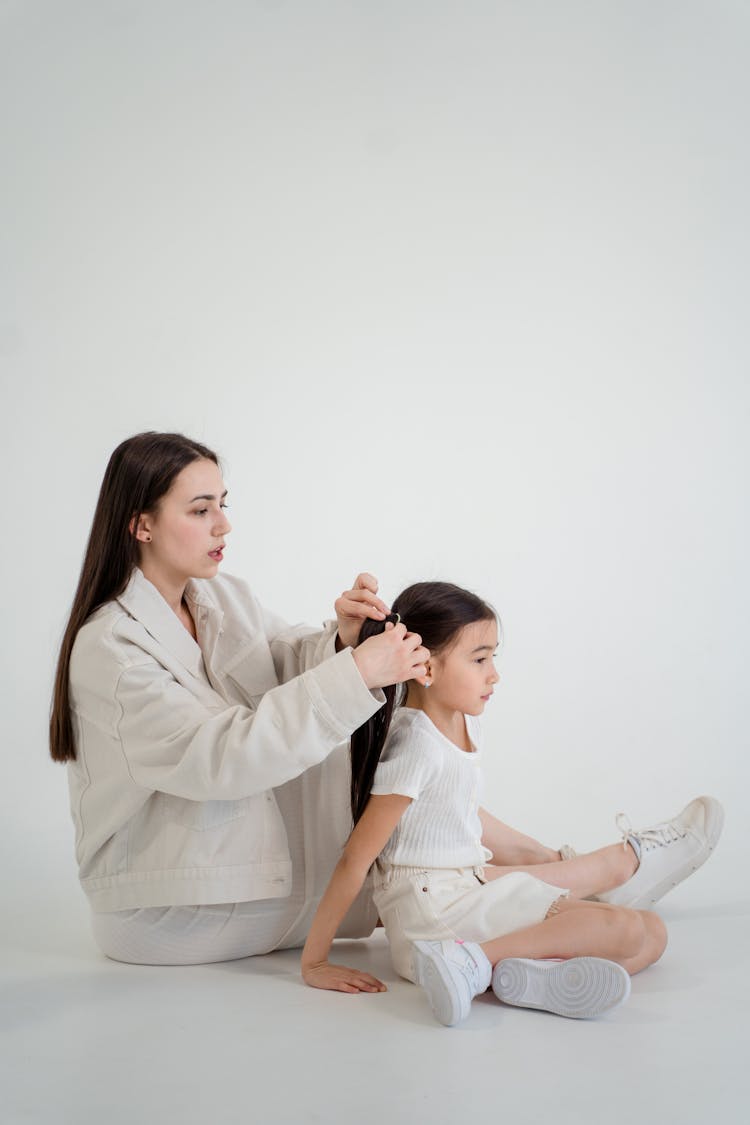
(208, 783)
(181, 706)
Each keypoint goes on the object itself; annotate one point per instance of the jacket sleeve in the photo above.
(296, 648)
(174, 743)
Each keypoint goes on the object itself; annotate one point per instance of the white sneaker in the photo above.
(669, 853)
(579, 988)
(452, 973)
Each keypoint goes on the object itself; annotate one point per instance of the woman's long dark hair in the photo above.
(140, 472)
(437, 611)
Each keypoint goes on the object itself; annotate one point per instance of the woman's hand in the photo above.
(338, 978)
(357, 604)
(392, 657)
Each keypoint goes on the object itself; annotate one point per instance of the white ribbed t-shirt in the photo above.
(441, 827)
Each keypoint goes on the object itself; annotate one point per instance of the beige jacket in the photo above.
(180, 744)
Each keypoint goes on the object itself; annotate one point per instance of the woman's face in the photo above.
(184, 537)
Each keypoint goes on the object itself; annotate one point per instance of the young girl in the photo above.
(449, 914)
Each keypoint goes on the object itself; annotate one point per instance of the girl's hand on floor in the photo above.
(338, 978)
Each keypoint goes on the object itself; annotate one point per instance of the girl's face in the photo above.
(184, 537)
(464, 675)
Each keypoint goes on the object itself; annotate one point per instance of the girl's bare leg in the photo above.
(585, 875)
(632, 938)
(509, 846)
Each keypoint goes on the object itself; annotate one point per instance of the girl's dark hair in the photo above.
(437, 611)
(140, 472)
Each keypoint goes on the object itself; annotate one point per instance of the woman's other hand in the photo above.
(338, 978)
(357, 604)
(392, 657)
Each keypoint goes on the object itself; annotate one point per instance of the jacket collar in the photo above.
(142, 600)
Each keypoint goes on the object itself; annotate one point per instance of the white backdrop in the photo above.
(457, 290)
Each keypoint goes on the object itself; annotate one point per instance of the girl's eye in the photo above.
(480, 660)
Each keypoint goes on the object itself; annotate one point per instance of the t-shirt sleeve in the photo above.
(408, 768)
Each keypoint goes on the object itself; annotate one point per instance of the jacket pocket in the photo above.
(201, 815)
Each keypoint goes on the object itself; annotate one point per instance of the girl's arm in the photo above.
(363, 847)
(509, 847)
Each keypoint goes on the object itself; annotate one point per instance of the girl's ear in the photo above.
(140, 528)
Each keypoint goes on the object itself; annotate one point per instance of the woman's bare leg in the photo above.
(585, 875)
(632, 938)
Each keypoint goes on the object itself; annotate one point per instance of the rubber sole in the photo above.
(580, 988)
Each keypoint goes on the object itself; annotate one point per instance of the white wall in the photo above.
(457, 290)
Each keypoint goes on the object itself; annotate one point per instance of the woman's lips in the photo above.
(216, 555)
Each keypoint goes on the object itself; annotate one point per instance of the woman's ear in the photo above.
(140, 528)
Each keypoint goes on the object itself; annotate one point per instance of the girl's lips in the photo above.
(218, 554)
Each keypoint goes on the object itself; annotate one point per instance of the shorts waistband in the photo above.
(385, 873)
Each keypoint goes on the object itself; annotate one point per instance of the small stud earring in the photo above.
(148, 538)
(427, 683)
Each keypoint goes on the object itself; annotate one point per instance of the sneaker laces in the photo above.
(659, 836)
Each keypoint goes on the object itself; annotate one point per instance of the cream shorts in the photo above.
(438, 904)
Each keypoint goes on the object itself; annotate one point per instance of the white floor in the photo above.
(88, 1040)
